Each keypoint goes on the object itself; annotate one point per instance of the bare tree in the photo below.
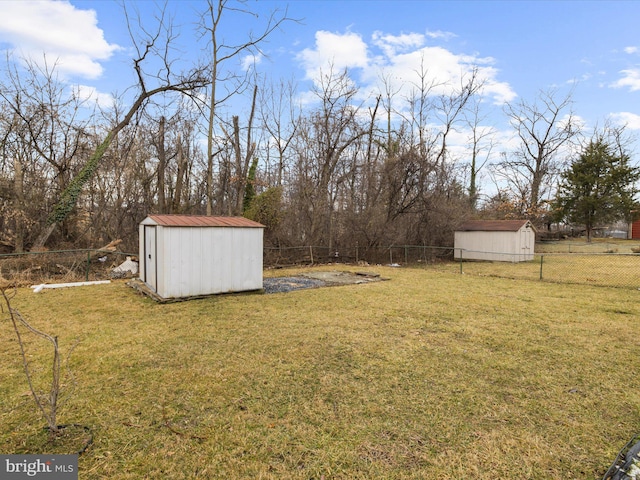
(326, 135)
(162, 165)
(129, 180)
(543, 128)
(226, 82)
(47, 402)
(242, 159)
(43, 121)
(181, 177)
(481, 145)
(449, 108)
(16, 162)
(162, 81)
(280, 119)
(419, 169)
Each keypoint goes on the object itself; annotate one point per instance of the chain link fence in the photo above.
(377, 255)
(596, 246)
(601, 269)
(62, 266)
(610, 270)
(572, 265)
(604, 269)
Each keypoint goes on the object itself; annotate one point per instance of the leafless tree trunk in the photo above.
(543, 128)
(451, 107)
(233, 83)
(280, 119)
(180, 177)
(13, 162)
(335, 128)
(162, 166)
(18, 189)
(242, 160)
(481, 144)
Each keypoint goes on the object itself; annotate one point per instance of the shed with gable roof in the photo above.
(495, 240)
(196, 255)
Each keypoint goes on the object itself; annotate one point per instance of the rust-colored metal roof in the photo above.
(493, 225)
(203, 221)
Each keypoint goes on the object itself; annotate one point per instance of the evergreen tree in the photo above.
(598, 187)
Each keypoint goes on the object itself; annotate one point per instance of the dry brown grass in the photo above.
(431, 375)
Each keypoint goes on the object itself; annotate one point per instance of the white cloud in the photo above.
(578, 122)
(630, 78)
(440, 65)
(91, 95)
(250, 61)
(582, 78)
(440, 34)
(628, 119)
(338, 51)
(402, 59)
(631, 50)
(446, 71)
(392, 44)
(68, 36)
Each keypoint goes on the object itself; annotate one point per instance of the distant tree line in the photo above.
(340, 171)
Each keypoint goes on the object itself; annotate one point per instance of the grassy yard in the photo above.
(430, 375)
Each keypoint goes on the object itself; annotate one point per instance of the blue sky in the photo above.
(521, 47)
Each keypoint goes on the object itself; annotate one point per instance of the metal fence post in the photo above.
(460, 260)
(541, 262)
(86, 276)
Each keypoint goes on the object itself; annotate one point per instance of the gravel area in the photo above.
(288, 284)
(317, 279)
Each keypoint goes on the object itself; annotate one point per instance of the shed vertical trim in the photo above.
(151, 256)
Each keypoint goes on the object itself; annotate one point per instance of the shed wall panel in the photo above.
(495, 246)
(203, 261)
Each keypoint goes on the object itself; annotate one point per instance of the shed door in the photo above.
(525, 237)
(150, 256)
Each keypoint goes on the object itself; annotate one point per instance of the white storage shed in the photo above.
(495, 240)
(188, 255)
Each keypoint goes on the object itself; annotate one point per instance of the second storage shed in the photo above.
(497, 240)
(189, 255)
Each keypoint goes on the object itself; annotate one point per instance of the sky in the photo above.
(520, 48)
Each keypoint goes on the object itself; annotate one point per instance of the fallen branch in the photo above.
(109, 248)
(166, 423)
